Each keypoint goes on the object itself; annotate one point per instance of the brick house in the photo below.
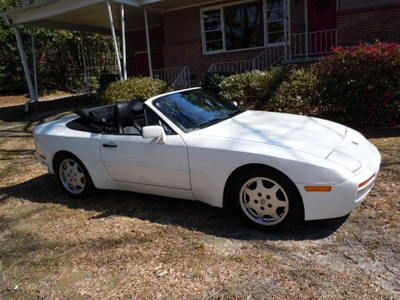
(186, 41)
(187, 38)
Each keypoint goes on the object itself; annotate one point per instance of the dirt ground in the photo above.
(12, 100)
(127, 245)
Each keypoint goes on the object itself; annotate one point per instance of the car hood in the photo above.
(310, 135)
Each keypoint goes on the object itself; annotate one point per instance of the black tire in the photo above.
(87, 186)
(287, 191)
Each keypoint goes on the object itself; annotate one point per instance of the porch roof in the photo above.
(84, 15)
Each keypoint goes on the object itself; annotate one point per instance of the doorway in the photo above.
(141, 64)
(322, 22)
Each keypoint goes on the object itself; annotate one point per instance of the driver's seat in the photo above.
(127, 116)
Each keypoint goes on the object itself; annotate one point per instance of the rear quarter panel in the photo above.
(54, 137)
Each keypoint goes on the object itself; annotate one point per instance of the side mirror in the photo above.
(154, 132)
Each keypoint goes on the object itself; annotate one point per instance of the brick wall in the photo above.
(369, 24)
(183, 44)
(136, 42)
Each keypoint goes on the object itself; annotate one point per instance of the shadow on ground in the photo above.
(167, 211)
(374, 133)
(45, 109)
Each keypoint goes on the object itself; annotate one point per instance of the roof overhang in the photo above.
(84, 15)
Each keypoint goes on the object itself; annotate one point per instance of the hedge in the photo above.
(361, 85)
(358, 86)
(284, 89)
(253, 89)
(136, 88)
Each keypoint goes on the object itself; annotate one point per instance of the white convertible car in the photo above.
(275, 168)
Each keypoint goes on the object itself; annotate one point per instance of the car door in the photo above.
(134, 159)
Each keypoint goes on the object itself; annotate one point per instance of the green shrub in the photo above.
(134, 88)
(361, 85)
(212, 81)
(297, 94)
(253, 89)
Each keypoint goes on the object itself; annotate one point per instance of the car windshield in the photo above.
(195, 109)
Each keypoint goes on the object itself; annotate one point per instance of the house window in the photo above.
(213, 35)
(275, 22)
(244, 26)
(233, 27)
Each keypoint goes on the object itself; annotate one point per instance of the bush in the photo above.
(137, 88)
(361, 85)
(253, 88)
(212, 81)
(297, 94)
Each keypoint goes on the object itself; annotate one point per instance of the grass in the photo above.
(126, 245)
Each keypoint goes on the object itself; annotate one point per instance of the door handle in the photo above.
(109, 145)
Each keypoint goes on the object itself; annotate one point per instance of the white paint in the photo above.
(196, 165)
(123, 36)
(25, 66)
(154, 132)
(306, 30)
(34, 66)
(146, 23)
(48, 10)
(114, 37)
(85, 71)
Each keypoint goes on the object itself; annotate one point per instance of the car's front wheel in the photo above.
(268, 199)
(73, 176)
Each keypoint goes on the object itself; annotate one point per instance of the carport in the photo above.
(112, 17)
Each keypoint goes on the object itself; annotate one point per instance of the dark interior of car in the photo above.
(121, 118)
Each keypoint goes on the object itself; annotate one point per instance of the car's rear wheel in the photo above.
(73, 176)
(267, 199)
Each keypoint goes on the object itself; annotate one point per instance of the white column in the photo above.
(35, 80)
(289, 22)
(116, 48)
(25, 66)
(125, 72)
(85, 71)
(306, 37)
(146, 22)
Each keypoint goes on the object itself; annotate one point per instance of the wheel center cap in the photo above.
(263, 201)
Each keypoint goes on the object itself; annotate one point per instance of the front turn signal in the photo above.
(318, 188)
(364, 183)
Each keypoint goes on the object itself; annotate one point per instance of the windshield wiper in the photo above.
(217, 120)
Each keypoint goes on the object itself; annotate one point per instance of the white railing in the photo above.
(301, 46)
(183, 80)
(316, 43)
(232, 67)
(176, 77)
(268, 58)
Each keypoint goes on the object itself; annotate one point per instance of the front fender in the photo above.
(211, 165)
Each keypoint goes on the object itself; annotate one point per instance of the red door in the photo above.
(322, 16)
(142, 64)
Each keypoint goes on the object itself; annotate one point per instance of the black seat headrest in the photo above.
(136, 107)
(123, 115)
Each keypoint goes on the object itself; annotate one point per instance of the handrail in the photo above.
(183, 79)
(176, 77)
(319, 43)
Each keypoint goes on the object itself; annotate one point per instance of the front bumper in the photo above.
(346, 195)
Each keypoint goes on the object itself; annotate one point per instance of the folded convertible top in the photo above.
(101, 115)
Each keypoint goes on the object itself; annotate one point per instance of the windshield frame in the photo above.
(158, 99)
